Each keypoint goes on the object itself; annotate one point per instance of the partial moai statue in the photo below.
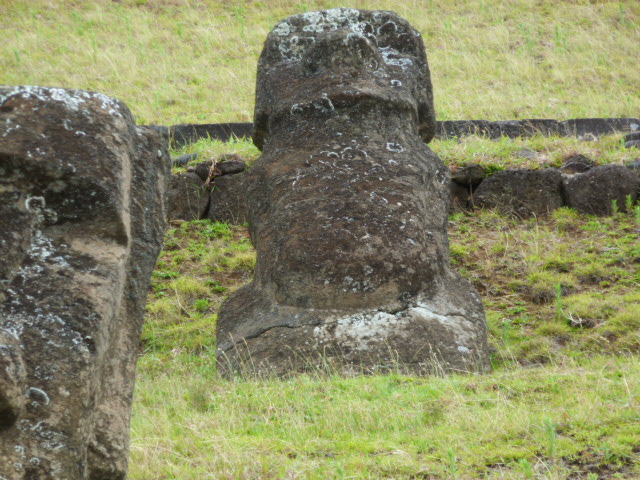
(82, 206)
(348, 209)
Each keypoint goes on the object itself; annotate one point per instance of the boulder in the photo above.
(227, 202)
(82, 217)
(350, 224)
(576, 163)
(634, 165)
(226, 165)
(206, 171)
(594, 191)
(188, 197)
(231, 163)
(521, 192)
(459, 198)
(469, 176)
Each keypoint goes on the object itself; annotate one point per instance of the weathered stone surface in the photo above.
(82, 218)
(508, 128)
(12, 380)
(521, 192)
(459, 197)
(629, 137)
(188, 197)
(462, 128)
(230, 164)
(595, 190)
(469, 176)
(505, 128)
(576, 164)
(206, 171)
(540, 126)
(348, 209)
(226, 165)
(581, 127)
(634, 165)
(228, 200)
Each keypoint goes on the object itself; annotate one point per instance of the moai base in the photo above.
(348, 210)
(81, 224)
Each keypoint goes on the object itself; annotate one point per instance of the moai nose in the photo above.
(341, 50)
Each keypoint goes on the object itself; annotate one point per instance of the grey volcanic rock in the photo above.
(81, 224)
(594, 191)
(227, 202)
(633, 136)
(634, 165)
(576, 164)
(521, 192)
(584, 127)
(459, 198)
(227, 165)
(188, 197)
(469, 176)
(348, 209)
(12, 379)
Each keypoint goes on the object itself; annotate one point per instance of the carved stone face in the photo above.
(348, 206)
(72, 165)
(337, 58)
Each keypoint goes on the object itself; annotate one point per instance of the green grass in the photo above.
(516, 423)
(561, 293)
(200, 264)
(493, 155)
(207, 148)
(190, 61)
(563, 400)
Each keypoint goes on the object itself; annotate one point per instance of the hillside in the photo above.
(561, 293)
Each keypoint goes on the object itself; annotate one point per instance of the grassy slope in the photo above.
(576, 414)
(176, 61)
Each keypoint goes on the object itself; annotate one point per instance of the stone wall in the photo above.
(578, 184)
(581, 127)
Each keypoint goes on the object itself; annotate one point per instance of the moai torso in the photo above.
(348, 206)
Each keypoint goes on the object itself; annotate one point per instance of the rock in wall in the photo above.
(348, 208)
(81, 224)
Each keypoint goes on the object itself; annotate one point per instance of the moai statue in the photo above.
(348, 209)
(81, 223)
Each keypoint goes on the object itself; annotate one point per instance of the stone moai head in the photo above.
(342, 58)
(82, 219)
(348, 208)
